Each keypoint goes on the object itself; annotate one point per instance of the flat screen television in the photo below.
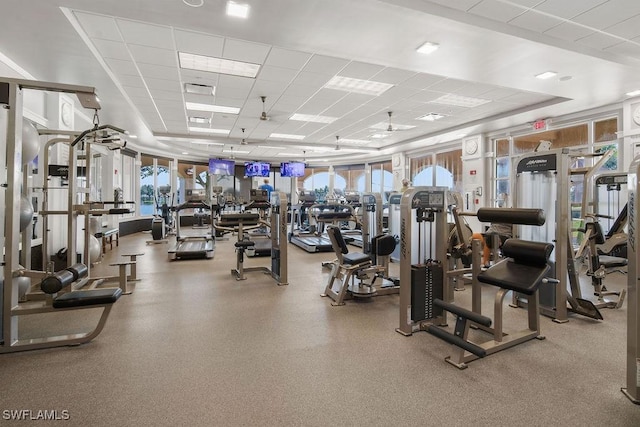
(221, 167)
(291, 169)
(256, 169)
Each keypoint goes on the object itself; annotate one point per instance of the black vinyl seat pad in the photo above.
(515, 277)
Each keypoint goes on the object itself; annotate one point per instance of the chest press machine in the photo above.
(426, 296)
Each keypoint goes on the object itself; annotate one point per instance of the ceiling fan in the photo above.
(263, 116)
(390, 127)
(244, 141)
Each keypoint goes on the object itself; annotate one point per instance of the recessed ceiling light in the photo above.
(236, 151)
(193, 3)
(200, 120)
(184, 152)
(209, 130)
(196, 106)
(428, 48)
(634, 93)
(312, 118)
(460, 101)
(199, 89)
(210, 64)
(239, 10)
(546, 75)
(365, 87)
(379, 136)
(431, 117)
(287, 136)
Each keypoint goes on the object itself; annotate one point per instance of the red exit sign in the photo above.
(539, 125)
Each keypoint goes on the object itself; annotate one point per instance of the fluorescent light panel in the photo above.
(199, 120)
(236, 151)
(431, 117)
(210, 64)
(379, 136)
(355, 141)
(287, 136)
(196, 106)
(209, 130)
(546, 75)
(385, 126)
(460, 101)
(428, 48)
(365, 87)
(633, 93)
(199, 89)
(312, 118)
(239, 10)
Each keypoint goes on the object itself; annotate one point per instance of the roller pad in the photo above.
(88, 297)
(55, 282)
(512, 216)
(527, 252)
(78, 270)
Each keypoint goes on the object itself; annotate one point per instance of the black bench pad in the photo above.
(515, 277)
(612, 261)
(353, 258)
(88, 297)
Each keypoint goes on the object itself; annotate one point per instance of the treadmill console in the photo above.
(196, 194)
(428, 200)
(258, 195)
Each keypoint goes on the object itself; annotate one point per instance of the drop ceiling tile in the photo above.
(146, 34)
(171, 111)
(422, 81)
(474, 90)
(339, 109)
(457, 4)
(608, 14)
(136, 92)
(226, 80)
(360, 70)
(524, 98)
(272, 90)
(158, 72)
(599, 41)
(221, 121)
(625, 48)
(497, 11)
(567, 9)
(315, 106)
(178, 126)
(133, 81)
(201, 99)
(198, 43)
(240, 50)
(448, 85)
(229, 102)
(285, 58)
(233, 92)
(393, 75)
(276, 74)
(122, 67)
(325, 65)
(535, 22)
(166, 95)
(311, 79)
(162, 84)
(628, 28)
(112, 49)
(99, 27)
(498, 93)
(301, 90)
(408, 105)
(153, 55)
(569, 31)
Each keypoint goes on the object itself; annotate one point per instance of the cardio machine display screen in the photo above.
(428, 199)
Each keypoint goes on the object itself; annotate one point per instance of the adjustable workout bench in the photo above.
(524, 269)
(51, 284)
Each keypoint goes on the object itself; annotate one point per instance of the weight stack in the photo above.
(426, 285)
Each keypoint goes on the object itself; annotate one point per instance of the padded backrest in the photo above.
(383, 244)
(523, 216)
(596, 232)
(527, 252)
(337, 235)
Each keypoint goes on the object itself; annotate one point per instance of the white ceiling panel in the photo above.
(162, 84)
(239, 50)
(122, 67)
(360, 70)
(629, 28)
(311, 79)
(422, 81)
(325, 65)
(112, 49)
(153, 55)
(393, 75)
(315, 106)
(498, 93)
(223, 121)
(146, 34)
(525, 3)
(176, 126)
(448, 85)
(569, 31)
(285, 58)
(136, 92)
(599, 41)
(301, 90)
(276, 74)
(568, 9)
(270, 89)
(198, 43)
(425, 96)
(626, 48)
(609, 13)
(497, 11)
(229, 102)
(457, 4)
(235, 81)
(166, 95)
(158, 72)
(194, 97)
(535, 21)
(98, 26)
(133, 81)
(237, 92)
(328, 94)
(340, 109)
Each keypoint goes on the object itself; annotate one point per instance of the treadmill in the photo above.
(315, 240)
(305, 236)
(189, 247)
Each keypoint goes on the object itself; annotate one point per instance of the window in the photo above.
(147, 190)
(127, 170)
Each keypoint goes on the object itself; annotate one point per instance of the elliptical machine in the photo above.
(162, 222)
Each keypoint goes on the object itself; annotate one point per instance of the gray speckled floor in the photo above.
(191, 346)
